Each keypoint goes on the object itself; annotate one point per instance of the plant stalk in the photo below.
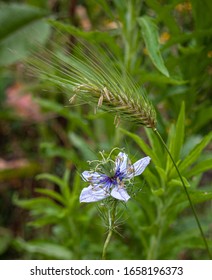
(186, 191)
(111, 221)
(154, 247)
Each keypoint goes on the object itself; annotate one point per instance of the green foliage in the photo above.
(151, 38)
(22, 27)
(166, 49)
(158, 205)
(168, 199)
(61, 210)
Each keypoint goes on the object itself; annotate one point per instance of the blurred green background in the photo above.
(45, 143)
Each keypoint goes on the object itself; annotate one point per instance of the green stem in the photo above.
(186, 191)
(111, 221)
(155, 240)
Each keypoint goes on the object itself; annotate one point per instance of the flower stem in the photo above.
(111, 222)
(186, 191)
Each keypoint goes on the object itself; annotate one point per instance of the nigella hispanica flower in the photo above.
(110, 178)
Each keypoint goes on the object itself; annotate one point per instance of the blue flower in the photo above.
(104, 185)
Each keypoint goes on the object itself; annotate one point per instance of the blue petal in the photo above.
(120, 193)
(93, 177)
(121, 162)
(138, 167)
(92, 194)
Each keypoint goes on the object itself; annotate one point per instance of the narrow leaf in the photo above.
(51, 178)
(195, 152)
(151, 38)
(144, 147)
(91, 36)
(196, 197)
(179, 136)
(44, 248)
(176, 137)
(51, 194)
(178, 183)
(21, 28)
(200, 168)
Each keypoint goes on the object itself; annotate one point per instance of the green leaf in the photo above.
(157, 78)
(200, 168)
(156, 145)
(158, 192)
(178, 140)
(176, 137)
(67, 190)
(189, 144)
(201, 11)
(81, 144)
(5, 239)
(151, 38)
(165, 14)
(51, 178)
(53, 150)
(203, 117)
(44, 218)
(96, 37)
(21, 29)
(196, 34)
(162, 173)
(183, 238)
(39, 205)
(178, 183)
(74, 117)
(50, 250)
(151, 178)
(196, 196)
(194, 154)
(51, 194)
(144, 147)
(63, 184)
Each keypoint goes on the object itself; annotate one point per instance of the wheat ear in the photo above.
(94, 77)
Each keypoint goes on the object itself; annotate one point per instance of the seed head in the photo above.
(93, 77)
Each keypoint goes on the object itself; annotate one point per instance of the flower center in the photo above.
(117, 177)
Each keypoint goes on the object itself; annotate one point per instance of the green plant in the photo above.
(166, 49)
